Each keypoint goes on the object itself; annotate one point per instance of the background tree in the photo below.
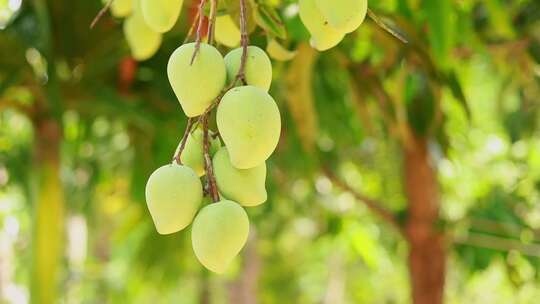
(436, 137)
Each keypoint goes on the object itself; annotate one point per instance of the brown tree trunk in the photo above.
(427, 255)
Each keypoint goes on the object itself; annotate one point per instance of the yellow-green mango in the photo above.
(227, 33)
(249, 123)
(196, 85)
(344, 15)
(142, 40)
(323, 35)
(245, 186)
(120, 8)
(173, 195)
(192, 156)
(161, 15)
(219, 232)
(258, 69)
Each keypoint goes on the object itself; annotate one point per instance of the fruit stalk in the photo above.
(212, 21)
(211, 179)
(194, 23)
(199, 30)
(189, 127)
(244, 41)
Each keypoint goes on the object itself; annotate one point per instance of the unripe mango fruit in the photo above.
(219, 232)
(173, 195)
(161, 15)
(142, 40)
(120, 8)
(196, 85)
(249, 123)
(258, 69)
(192, 156)
(344, 15)
(323, 35)
(245, 186)
(227, 33)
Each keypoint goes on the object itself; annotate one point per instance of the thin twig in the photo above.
(100, 13)
(372, 204)
(189, 127)
(192, 27)
(244, 41)
(199, 31)
(212, 21)
(211, 179)
(386, 27)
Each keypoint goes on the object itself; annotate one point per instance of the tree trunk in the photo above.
(244, 289)
(48, 234)
(427, 255)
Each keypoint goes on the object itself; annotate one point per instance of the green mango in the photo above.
(142, 40)
(227, 33)
(196, 85)
(249, 122)
(120, 8)
(323, 35)
(258, 69)
(219, 232)
(161, 15)
(173, 195)
(344, 15)
(192, 156)
(245, 186)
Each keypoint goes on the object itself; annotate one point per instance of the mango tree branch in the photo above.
(178, 154)
(211, 179)
(372, 204)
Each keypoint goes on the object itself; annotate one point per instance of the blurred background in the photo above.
(406, 172)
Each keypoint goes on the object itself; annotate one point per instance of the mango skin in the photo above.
(196, 85)
(258, 69)
(344, 15)
(173, 195)
(120, 8)
(227, 33)
(245, 186)
(323, 35)
(161, 15)
(192, 156)
(142, 40)
(219, 232)
(249, 122)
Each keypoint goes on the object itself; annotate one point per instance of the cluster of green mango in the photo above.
(146, 21)
(249, 123)
(329, 20)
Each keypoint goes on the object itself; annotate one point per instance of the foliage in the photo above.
(467, 80)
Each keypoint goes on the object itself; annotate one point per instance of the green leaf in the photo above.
(439, 19)
(233, 7)
(268, 19)
(454, 84)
